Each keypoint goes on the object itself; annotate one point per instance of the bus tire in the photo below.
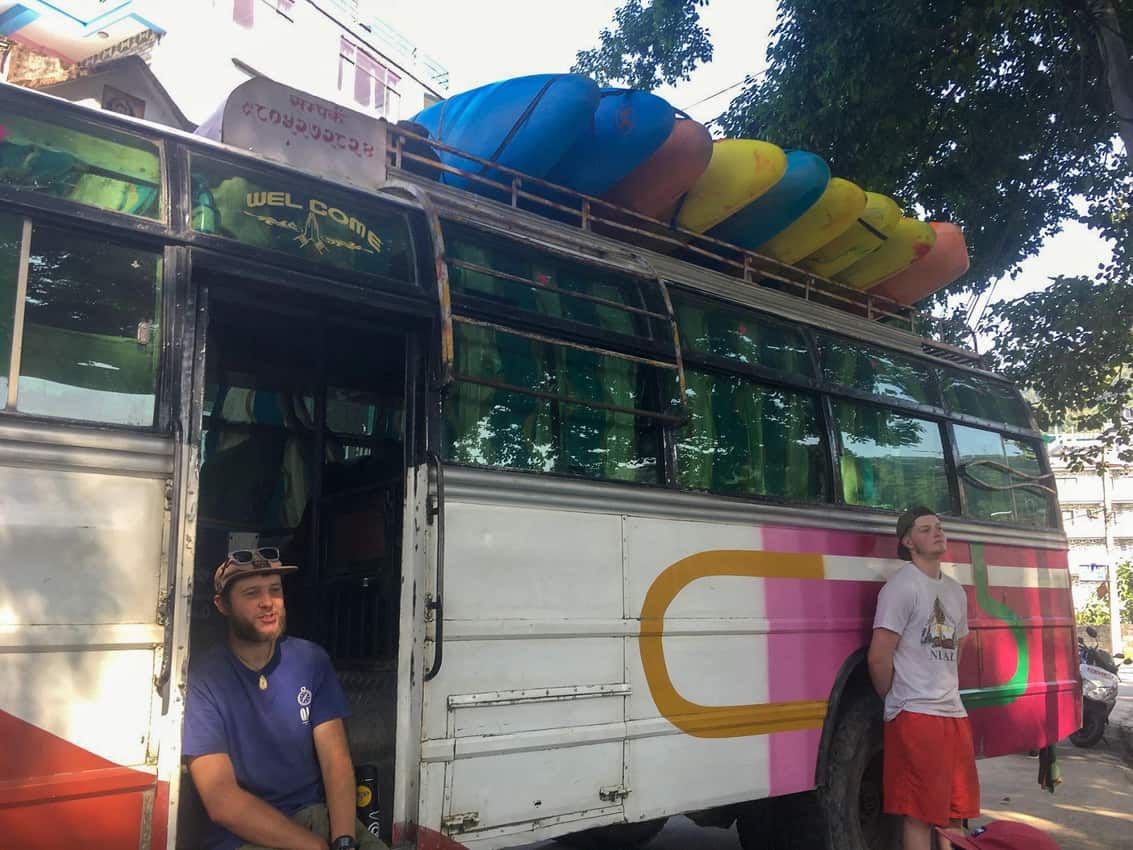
(792, 822)
(617, 836)
(851, 792)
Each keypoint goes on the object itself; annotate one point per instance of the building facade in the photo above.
(173, 63)
(1097, 514)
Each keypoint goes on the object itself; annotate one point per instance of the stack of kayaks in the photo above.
(634, 150)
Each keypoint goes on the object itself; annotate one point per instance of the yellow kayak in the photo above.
(739, 172)
(862, 238)
(908, 242)
(830, 216)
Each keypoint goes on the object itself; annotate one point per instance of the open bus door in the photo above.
(305, 420)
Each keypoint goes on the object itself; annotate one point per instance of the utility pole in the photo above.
(1110, 557)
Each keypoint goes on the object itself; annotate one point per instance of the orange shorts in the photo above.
(930, 768)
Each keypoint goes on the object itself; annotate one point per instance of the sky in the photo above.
(517, 37)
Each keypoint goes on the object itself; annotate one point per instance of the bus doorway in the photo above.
(305, 435)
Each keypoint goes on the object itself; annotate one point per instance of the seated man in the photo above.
(263, 734)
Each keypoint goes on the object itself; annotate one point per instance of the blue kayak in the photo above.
(525, 123)
(626, 129)
(803, 183)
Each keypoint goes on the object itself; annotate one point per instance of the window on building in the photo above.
(371, 83)
(244, 11)
(889, 459)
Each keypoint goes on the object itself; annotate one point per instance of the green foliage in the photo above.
(650, 45)
(988, 114)
(1096, 611)
(1072, 344)
(994, 115)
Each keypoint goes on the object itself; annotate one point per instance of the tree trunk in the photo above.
(1118, 69)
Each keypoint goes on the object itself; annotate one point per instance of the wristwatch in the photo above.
(344, 842)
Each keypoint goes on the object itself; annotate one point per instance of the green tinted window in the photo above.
(318, 225)
(746, 337)
(111, 171)
(92, 336)
(983, 397)
(11, 231)
(495, 270)
(874, 370)
(992, 489)
(888, 459)
(749, 439)
(499, 426)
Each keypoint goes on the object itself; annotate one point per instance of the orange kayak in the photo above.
(655, 186)
(945, 262)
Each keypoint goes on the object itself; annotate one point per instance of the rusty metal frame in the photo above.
(746, 267)
(440, 266)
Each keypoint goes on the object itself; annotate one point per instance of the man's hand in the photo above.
(881, 651)
(244, 814)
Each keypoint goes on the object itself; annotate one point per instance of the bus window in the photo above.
(496, 272)
(11, 231)
(889, 459)
(91, 339)
(991, 492)
(533, 404)
(110, 171)
(983, 397)
(751, 440)
(741, 336)
(874, 370)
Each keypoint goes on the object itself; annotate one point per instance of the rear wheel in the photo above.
(851, 797)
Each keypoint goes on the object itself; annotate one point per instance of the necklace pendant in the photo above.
(263, 682)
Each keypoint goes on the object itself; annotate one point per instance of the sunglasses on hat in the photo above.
(245, 562)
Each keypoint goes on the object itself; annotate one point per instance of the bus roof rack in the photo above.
(416, 154)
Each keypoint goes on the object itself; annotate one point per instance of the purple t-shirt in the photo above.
(267, 734)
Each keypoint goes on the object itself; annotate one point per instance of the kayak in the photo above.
(524, 123)
(909, 241)
(655, 186)
(626, 129)
(739, 171)
(946, 261)
(830, 216)
(802, 184)
(864, 236)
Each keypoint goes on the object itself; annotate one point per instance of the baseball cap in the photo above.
(246, 562)
(905, 523)
(1002, 835)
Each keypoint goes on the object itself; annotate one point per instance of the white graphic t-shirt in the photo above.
(931, 616)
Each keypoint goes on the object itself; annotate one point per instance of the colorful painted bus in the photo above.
(592, 534)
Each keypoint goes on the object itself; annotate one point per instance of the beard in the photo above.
(246, 630)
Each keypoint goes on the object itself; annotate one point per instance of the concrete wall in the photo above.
(1104, 640)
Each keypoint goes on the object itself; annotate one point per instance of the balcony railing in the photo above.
(382, 35)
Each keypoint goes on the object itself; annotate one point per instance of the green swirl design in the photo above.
(1011, 690)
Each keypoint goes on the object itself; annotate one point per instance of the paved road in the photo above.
(1091, 810)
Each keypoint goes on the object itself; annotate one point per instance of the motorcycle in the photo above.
(1099, 690)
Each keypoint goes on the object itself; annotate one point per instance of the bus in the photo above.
(591, 525)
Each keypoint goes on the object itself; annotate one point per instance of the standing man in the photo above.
(922, 617)
(263, 733)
